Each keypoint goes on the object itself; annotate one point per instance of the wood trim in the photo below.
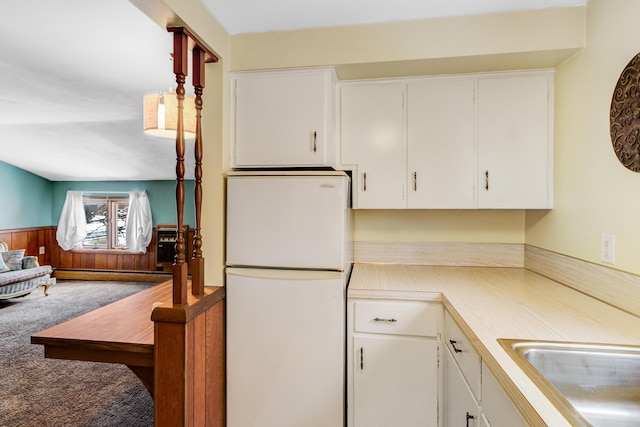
(460, 254)
(99, 275)
(194, 307)
(614, 287)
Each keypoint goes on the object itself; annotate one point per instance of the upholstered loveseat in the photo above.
(20, 275)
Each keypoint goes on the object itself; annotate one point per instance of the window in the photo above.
(106, 222)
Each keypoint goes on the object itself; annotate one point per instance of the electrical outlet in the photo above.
(41, 251)
(607, 248)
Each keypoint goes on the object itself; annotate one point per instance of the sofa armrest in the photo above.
(30, 262)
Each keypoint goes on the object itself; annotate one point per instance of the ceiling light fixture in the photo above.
(160, 114)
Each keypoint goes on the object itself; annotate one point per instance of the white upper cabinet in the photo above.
(372, 129)
(283, 118)
(450, 142)
(441, 151)
(514, 141)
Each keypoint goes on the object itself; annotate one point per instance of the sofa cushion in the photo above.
(13, 259)
(3, 266)
(22, 275)
(30, 262)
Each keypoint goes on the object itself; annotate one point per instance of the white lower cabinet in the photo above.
(472, 395)
(393, 367)
(461, 407)
(395, 382)
(497, 408)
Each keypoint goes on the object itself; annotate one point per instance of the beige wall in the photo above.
(484, 226)
(594, 193)
(457, 42)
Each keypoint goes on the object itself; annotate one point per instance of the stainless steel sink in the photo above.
(591, 384)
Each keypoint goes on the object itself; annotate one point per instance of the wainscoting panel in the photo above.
(30, 239)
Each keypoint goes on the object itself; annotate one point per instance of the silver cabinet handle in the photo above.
(486, 180)
(315, 141)
(364, 181)
(378, 319)
(415, 181)
(453, 345)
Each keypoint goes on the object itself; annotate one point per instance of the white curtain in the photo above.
(72, 227)
(139, 222)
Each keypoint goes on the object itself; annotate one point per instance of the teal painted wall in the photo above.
(162, 197)
(28, 200)
(25, 199)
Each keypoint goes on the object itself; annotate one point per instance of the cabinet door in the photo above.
(460, 407)
(441, 146)
(395, 382)
(281, 119)
(514, 142)
(372, 129)
(496, 406)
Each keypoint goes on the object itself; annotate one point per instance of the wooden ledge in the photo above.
(183, 313)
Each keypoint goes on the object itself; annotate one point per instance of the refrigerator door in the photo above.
(285, 348)
(287, 221)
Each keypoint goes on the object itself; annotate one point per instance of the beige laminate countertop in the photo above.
(490, 303)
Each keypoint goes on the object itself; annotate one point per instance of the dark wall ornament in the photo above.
(624, 118)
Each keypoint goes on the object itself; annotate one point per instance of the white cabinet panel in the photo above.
(456, 142)
(460, 407)
(393, 372)
(372, 129)
(496, 406)
(514, 142)
(464, 354)
(283, 118)
(397, 318)
(395, 382)
(441, 148)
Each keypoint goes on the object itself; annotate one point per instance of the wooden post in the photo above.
(197, 262)
(189, 366)
(180, 69)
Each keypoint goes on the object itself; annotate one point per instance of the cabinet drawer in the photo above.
(466, 357)
(397, 318)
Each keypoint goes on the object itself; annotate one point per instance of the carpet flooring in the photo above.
(39, 392)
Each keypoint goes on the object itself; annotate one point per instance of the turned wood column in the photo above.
(197, 262)
(180, 69)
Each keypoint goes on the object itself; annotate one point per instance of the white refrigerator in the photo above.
(288, 256)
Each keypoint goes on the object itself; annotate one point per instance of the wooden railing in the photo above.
(189, 364)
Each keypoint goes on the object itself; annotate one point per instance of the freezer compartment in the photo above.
(285, 348)
(301, 221)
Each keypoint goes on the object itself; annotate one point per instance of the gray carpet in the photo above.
(35, 391)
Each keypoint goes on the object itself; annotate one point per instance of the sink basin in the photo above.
(591, 384)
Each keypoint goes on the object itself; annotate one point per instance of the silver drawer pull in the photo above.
(377, 319)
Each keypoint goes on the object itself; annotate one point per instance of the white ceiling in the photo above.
(253, 16)
(73, 74)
